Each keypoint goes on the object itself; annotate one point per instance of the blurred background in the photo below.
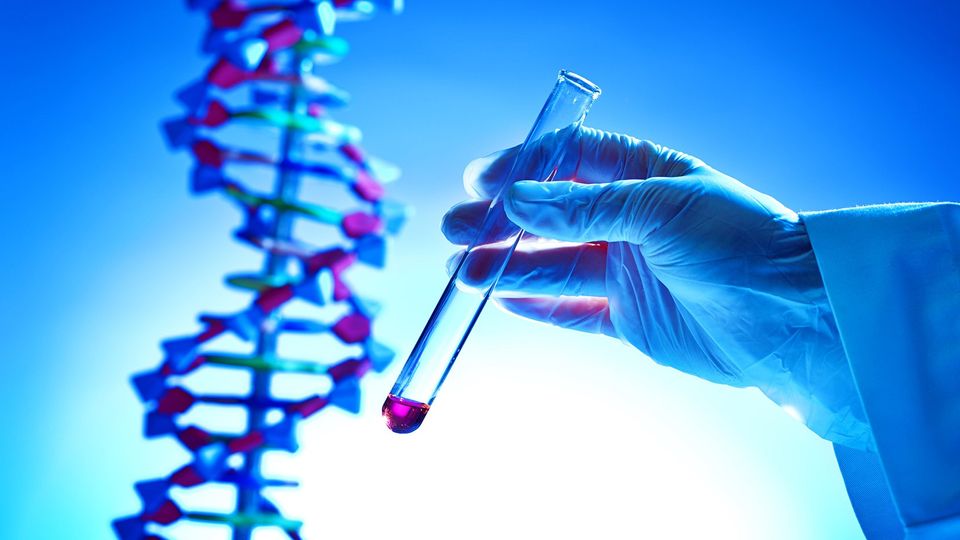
(539, 432)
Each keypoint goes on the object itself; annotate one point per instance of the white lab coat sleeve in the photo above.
(892, 275)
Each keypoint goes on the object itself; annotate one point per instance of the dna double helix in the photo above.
(264, 76)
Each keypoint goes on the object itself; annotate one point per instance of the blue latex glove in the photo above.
(693, 268)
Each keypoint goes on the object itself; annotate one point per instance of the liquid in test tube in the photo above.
(460, 305)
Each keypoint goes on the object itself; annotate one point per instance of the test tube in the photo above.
(460, 305)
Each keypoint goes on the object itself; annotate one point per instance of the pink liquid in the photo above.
(403, 415)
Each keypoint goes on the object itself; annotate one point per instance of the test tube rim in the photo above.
(580, 82)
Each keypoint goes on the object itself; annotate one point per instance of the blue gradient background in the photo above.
(539, 432)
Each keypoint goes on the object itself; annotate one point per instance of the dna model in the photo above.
(265, 76)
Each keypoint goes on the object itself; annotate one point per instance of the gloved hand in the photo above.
(693, 268)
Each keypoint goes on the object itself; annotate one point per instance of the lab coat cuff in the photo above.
(892, 274)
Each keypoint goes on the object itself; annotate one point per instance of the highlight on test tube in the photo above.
(460, 305)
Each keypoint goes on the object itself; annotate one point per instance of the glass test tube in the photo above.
(460, 305)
